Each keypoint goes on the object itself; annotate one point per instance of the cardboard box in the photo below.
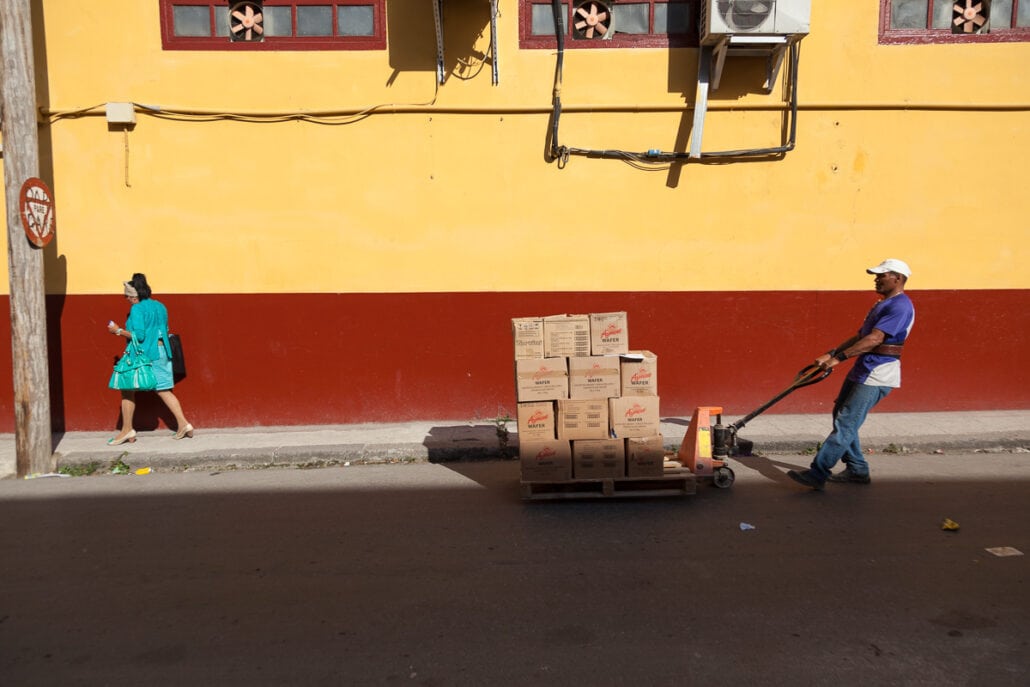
(536, 421)
(594, 458)
(634, 416)
(645, 456)
(639, 370)
(583, 419)
(609, 333)
(541, 379)
(527, 334)
(566, 335)
(596, 376)
(545, 461)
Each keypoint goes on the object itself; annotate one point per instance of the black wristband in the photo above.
(840, 356)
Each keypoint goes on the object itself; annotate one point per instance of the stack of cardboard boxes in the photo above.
(587, 405)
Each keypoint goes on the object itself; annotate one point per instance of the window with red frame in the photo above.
(286, 25)
(637, 24)
(934, 21)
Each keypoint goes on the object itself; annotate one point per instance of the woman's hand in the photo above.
(114, 329)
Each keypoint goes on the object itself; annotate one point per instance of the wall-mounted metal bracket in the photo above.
(495, 79)
(704, 76)
(773, 48)
(438, 22)
(441, 73)
(710, 64)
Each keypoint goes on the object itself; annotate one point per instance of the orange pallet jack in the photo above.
(697, 452)
(706, 448)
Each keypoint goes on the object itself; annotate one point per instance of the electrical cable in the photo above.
(72, 114)
(794, 53)
(330, 117)
(648, 160)
(325, 117)
(558, 152)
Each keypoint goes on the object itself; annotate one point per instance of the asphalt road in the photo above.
(440, 575)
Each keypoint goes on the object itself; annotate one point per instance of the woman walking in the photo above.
(148, 321)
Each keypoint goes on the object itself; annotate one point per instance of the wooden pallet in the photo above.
(679, 484)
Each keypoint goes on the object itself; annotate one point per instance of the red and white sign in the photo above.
(37, 212)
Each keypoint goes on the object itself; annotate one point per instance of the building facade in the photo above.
(343, 217)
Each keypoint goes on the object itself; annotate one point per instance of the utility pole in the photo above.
(33, 439)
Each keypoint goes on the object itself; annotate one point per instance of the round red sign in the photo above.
(37, 212)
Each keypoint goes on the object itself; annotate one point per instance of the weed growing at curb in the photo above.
(503, 435)
(80, 470)
(119, 467)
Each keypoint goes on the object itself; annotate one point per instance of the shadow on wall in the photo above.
(412, 32)
(55, 265)
(742, 76)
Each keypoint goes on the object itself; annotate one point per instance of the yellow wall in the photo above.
(906, 151)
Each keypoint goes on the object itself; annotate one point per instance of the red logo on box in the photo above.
(538, 416)
(546, 452)
(640, 376)
(636, 409)
(611, 330)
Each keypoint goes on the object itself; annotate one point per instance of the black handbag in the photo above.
(178, 359)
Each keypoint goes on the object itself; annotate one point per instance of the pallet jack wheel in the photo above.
(723, 478)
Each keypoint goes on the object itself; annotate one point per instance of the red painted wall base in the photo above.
(296, 359)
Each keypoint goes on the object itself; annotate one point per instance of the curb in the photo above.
(359, 453)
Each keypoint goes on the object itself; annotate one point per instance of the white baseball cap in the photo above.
(891, 265)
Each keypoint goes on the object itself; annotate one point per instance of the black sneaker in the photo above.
(846, 475)
(806, 478)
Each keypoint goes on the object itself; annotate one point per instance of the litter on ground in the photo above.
(1003, 551)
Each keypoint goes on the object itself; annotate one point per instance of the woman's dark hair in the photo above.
(139, 282)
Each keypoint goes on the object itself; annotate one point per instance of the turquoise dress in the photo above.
(148, 320)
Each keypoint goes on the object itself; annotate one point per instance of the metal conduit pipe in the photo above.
(52, 114)
(98, 111)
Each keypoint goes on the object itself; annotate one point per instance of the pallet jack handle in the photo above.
(808, 375)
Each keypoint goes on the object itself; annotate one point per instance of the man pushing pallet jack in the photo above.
(877, 346)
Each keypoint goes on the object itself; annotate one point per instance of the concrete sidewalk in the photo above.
(448, 440)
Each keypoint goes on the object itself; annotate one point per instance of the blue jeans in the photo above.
(849, 412)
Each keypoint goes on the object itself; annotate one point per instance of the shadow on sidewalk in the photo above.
(773, 470)
(485, 454)
(468, 443)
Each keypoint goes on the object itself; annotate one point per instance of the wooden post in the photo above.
(33, 439)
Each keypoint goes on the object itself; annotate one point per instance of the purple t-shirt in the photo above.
(894, 317)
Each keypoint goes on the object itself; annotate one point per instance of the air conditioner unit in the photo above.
(742, 18)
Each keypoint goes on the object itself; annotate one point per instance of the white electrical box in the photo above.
(121, 113)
